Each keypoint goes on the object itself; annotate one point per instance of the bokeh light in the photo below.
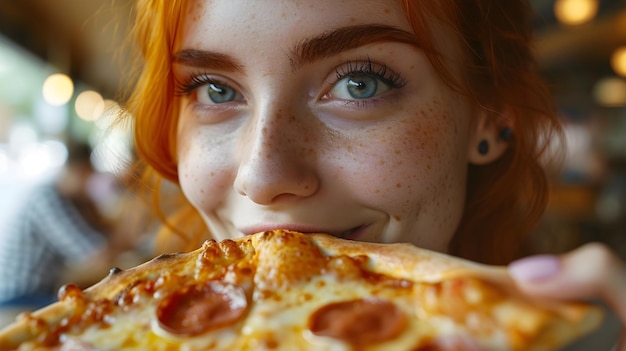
(618, 61)
(58, 89)
(610, 92)
(575, 12)
(89, 105)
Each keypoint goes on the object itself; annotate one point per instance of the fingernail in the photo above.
(535, 268)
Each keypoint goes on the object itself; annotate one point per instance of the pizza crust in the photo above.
(25, 327)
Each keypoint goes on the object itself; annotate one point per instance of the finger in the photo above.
(591, 271)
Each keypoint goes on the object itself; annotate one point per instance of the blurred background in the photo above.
(62, 64)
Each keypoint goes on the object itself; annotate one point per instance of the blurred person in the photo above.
(56, 236)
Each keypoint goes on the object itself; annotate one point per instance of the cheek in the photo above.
(416, 162)
(203, 170)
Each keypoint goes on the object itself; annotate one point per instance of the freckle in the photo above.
(398, 218)
(398, 185)
(212, 174)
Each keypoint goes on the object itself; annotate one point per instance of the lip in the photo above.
(353, 234)
(349, 234)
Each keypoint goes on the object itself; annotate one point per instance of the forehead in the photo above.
(242, 21)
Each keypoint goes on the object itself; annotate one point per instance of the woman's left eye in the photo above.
(357, 81)
(359, 86)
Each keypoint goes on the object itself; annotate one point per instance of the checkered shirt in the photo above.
(46, 233)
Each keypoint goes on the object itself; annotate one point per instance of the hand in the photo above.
(591, 271)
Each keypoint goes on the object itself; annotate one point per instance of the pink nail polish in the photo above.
(535, 268)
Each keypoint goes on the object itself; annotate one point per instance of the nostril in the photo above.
(263, 185)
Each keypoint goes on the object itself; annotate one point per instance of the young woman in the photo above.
(380, 120)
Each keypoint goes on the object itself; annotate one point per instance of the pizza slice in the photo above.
(282, 290)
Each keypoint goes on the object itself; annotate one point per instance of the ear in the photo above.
(490, 138)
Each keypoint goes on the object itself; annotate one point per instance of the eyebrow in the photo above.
(308, 50)
(208, 59)
(345, 38)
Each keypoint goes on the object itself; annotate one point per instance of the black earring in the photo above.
(483, 147)
(506, 134)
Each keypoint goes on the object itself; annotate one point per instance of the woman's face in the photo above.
(318, 116)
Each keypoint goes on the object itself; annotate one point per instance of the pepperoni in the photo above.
(359, 322)
(451, 343)
(198, 309)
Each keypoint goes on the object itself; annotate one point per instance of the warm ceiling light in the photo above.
(58, 89)
(610, 92)
(573, 12)
(89, 105)
(618, 61)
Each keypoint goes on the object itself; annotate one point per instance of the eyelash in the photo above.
(188, 86)
(355, 68)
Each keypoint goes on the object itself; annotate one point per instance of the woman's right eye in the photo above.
(214, 93)
(207, 90)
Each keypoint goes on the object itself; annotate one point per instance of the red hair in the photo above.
(504, 199)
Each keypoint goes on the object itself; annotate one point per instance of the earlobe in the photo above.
(489, 141)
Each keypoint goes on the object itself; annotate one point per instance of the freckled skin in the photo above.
(285, 155)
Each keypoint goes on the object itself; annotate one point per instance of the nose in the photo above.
(277, 159)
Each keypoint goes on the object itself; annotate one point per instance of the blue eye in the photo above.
(217, 93)
(361, 86)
